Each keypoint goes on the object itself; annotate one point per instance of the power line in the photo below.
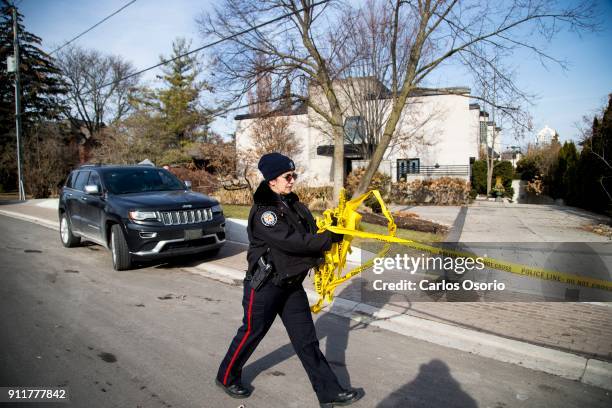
(164, 62)
(92, 27)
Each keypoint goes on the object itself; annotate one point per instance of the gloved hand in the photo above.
(337, 237)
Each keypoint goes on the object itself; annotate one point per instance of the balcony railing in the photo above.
(437, 171)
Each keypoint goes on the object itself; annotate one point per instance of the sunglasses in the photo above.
(290, 176)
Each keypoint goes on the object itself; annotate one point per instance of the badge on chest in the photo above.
(269, 219)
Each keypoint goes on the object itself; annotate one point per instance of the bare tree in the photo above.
(272, 134)
(467, 32)
(317, 45)
(369, 75)
(269, 129)
(48, 157)
(489, 93)
(363, 87)
(296, 49)
(95, 95)
(494, 83)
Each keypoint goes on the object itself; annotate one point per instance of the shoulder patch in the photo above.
(269, 218)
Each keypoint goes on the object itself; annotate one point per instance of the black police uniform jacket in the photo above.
(287, 228)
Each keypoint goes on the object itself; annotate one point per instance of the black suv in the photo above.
(138, 212)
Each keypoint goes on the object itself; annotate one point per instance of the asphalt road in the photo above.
(153, 337)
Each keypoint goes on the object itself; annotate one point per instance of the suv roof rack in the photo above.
(115, 165)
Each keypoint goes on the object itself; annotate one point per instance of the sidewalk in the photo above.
(573, 340)
(578, 328)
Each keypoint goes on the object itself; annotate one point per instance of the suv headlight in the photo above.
(217, 208)
(143, 215)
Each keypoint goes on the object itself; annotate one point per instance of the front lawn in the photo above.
(236, 211)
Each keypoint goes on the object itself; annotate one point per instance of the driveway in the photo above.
(545, 236)
(503, 222)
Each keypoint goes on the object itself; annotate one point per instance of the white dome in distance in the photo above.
(545, 135)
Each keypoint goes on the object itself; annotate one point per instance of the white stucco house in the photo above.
(438, 134)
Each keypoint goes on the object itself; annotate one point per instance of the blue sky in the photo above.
(146, 29)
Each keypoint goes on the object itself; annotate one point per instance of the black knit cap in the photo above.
(274, 164)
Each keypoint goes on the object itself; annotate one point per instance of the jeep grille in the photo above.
(185, 216)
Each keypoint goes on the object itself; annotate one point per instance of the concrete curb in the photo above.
(219, 273)
(598, 373)
(588, 371)
(235, 230)
(30, 218)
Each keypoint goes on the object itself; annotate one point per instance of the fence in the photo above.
(396, 172)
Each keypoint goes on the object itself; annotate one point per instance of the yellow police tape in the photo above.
(328, 275)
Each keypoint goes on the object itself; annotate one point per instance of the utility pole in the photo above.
(22, 196)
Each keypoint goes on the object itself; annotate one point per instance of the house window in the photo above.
(483, 132)
(408, 166)
(354, 130)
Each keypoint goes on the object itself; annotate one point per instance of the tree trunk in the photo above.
(398, 106)
(385, 140)
(489, 176)
(338, 163)
(337, 124)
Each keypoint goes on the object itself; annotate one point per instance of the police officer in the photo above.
(282, 233)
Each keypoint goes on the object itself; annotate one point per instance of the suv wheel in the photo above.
(122, 259)
(68, 238)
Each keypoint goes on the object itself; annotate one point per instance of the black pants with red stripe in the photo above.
(260, 310)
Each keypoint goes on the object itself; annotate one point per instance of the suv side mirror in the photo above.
(188, 184)
(92, 189)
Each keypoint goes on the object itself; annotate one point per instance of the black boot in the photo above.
(343, 398)
(234, 390)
